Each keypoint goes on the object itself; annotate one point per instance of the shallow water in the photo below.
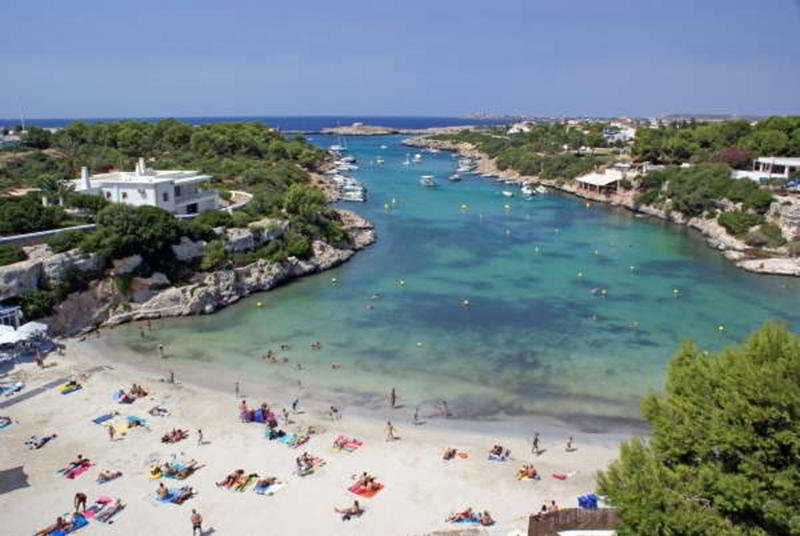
(539, 336)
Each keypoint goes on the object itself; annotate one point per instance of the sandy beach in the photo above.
(421, 489)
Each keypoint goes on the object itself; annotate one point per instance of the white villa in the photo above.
(768, 167)
(175, 191)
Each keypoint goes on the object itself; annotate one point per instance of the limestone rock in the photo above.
(56, 265)
(18, 277)
(237, 239)
(271, 228)
(127, 265)
(187, 249)
(144, 288)
(777, 266)
(38, 251)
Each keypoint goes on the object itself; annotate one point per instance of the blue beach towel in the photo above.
(103, 418)
(474, 519)
(268, 490)
(288, 438)
(172, 494)
(78, 522)
(177, 467)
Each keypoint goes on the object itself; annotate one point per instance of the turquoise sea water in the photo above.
(536, 337)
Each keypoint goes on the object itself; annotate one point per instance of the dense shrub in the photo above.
(214, 255)
(27, 215)
(90, 203)
(65, 241)
(738, 222)
(215, 218)
(774, 235)
(37, 303)
(9, 254)
(298, 245)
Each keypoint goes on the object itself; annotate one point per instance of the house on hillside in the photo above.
(178, 192)
(770, 167)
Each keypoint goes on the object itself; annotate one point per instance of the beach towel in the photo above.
(67, 388)
(172, 494)
(122, 397)
(364, 492)
(138, 420)
(559, 476)
(502, 458)
(112, 507)
(5, 421)
(473, 519)
(296, 440)
(268, 490)
(93, 510)
(103, 418)
(287, 438)
(77, 471)
(178, 467)
(273, 434)
(526, 477)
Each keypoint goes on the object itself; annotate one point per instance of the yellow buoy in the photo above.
(259, 304)
(507, 206)
(386, 206)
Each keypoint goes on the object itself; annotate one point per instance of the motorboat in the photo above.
(455, 177)
(527, 190)
(541, 190)
(427, 180)
(417, 157)
(384, 146)
(379, 160)
(508, 193)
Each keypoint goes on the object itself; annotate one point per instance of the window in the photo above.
(124, 195)
(177, 191)
(165, 196)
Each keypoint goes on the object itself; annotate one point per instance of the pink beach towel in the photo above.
(72, 473)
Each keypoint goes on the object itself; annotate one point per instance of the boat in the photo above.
(384, 147)
(508, 193)
(349, 159)
(379, 160)
(336, 148)
(407, 162)
(427, 180)
(527, 190)
(417, 157)
(541, 189)
(455, 177)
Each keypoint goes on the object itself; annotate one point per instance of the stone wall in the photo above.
(551, 523)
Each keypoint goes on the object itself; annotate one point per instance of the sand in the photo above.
(420, 488)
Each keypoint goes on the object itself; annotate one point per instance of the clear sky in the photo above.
(80, 58)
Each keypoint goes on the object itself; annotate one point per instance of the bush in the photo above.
(738, 222)
(774, 235)
(37, 303)
(756, 239)
(27, 215)
(625, 184)
(90, 203)
(298, 245)
(214, 218)
(214, 255)
(9, 254)
(65, 241)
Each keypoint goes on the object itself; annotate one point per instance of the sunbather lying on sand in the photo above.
(449, 454)
(37, 442)
(467, 514)
(243, 480)
(105, 476)
(158, 411)
(122, 396)
(527, 471)
(231, 479)
(77, 462)
(138, 390)
(169, 470)
(267, 482)
(500, 451)
(368, 482)
(60, 524)
(174, 436)
(108, 513)
(185, 493)
(486, 519)
(348, 513)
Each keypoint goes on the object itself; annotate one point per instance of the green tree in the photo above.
(724, 456)
(37, 138)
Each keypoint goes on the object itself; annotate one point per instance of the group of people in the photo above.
(368, 482)
(169, 470)
(547, 508)
(137, 391)
(174, 436)
(527, 471)
(499, 451)
(305, 464)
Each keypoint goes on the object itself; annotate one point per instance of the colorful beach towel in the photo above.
(474, 519)
(5, 421)
(9, 390)
(361, 491)
(346, 443)
(103, 418)
(77, 471)
(112, 508)
(503, 458)
(78, 522)
(122, 397)
(172, 494)
(68, 388)
(252, 477)
(94, 509)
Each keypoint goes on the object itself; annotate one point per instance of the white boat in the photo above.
(508, 193)
(455, 177)
(433, 151)
(336, 148)
(541, 189)
(407, 162)
(427, 180)
(384, 147)
(379, 160)
(417, 157)
(527, 190)
(349, 159)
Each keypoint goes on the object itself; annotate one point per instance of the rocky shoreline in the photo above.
(106, 303)
(766, 261)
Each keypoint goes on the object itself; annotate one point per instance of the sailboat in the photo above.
(427, 180)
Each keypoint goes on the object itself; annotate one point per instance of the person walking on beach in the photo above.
(393, 399)
(236, 389)
(535, 444)
(294, 404)
(416, 415)
(570, 448)
(80, 501)
(161, 351)
(197, 523)
(199, 437)
(390, 432)
(110, 432)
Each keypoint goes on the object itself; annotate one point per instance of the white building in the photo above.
(175, 191)
(769, 167)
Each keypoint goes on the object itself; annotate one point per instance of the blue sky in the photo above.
(81, 58)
